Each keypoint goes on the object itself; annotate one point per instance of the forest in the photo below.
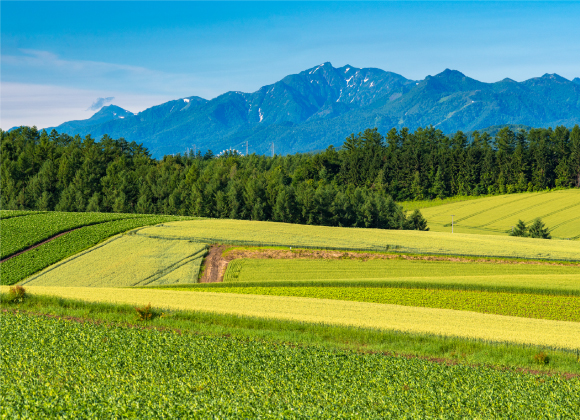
(355, 185)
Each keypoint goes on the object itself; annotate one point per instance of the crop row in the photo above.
(34, 260)
(498, 214)
(245, 232)
(7, 214)
(126, 260)
(562, 335)
(563, 308)
(82, 370)
(19, 233)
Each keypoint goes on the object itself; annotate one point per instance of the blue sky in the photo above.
(58, 58)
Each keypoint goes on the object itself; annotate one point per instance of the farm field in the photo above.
(204, 376)
(559, 210)
(127, 260)
(560, 308)
(441, 322)
(21, 232)
(486, 275)
(32, 261)
(243, 232)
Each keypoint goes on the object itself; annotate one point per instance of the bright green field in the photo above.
(559, 210)
(560, 308)
(243, 232)
(37, 259)
(96, 371)
(29, 229)
(488, 275)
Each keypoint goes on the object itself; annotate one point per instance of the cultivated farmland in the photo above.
(283, 234)
(196, 376)
(127, 260)
(560, 210)
(486, 275)
(442, 322)
(32, 261)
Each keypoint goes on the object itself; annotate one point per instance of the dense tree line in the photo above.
(356, 185)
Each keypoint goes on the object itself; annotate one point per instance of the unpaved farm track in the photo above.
(214, 265)
(38, 244)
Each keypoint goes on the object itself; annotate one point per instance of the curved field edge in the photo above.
(215, 376)
(558, 308)
(363, 340)
(272, 234)
(21, 233)
(443, 322)
(37, 259)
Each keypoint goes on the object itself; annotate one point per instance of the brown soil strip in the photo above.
(38, 244)
(219, 256)
(214, 265)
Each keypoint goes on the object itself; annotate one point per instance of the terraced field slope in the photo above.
(283, 234)
(559, 210)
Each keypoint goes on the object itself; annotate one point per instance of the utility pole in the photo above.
(246, 147)
(452, 223)
(272, 149)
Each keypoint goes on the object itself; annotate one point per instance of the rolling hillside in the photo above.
(559, 210)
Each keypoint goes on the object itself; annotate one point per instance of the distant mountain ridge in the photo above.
(323, 105)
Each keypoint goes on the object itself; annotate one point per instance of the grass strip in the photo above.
(449, 349)
(560, 308)
(442, 322)
(28, 263)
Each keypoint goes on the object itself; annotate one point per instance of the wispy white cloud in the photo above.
(100, 102)
(45, 67)
(49, 105)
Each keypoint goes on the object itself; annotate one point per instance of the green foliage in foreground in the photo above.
(563, 308)
(82, 370)
(30, 262)
(332, 337)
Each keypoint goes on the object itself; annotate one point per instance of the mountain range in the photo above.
(323, 105)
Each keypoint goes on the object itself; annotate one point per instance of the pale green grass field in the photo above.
(559, 210)
(283, 234)
(126, 260)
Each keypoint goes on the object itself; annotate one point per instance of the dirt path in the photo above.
(38, 244)
(220, 256)
(214, 265)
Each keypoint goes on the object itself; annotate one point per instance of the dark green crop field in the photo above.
(54, 368)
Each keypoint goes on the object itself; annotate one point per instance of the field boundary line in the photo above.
(39, 244)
